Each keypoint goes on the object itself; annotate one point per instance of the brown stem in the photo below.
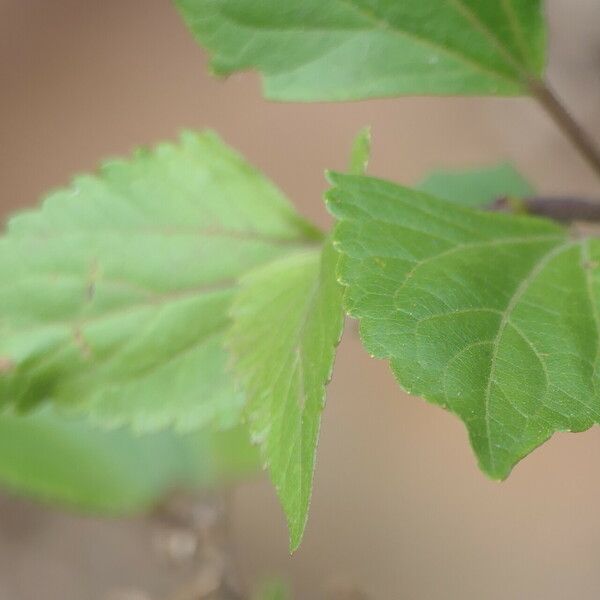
(546, 96)
(564, 209)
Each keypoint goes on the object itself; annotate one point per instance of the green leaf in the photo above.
(61, 460)
(495, 317)
(287, 322)
(350, 49)
(115, 295)
(477, 187)
(361, 152)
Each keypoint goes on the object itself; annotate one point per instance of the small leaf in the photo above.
(495, 317)
(477, 187)
(115, 295)
(350, 49)
(360, 153)
(66, 461)
(287, 322)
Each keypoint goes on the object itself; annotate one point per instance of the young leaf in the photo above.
(287, 321)
(477, 187)
(66, 461)
(350, 49)
(360, 153)
(115, 294)
(492, 316)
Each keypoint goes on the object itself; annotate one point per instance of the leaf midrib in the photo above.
(459, 6)
(518, 33)
(158, 301)
(468, 13)
(299, 369)
(521, 289)
(471, 246)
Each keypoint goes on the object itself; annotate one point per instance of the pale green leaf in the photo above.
(61, 460)
(360, 153)
(114, 296)
(477, 187)
(495, 317)
(349, 49)
(287, 322)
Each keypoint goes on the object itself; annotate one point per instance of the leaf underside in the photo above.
(494, 317)
(350, 49)
(287, 321)
(115, 295)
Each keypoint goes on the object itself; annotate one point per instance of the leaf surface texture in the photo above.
(287, 323)
(492, 316)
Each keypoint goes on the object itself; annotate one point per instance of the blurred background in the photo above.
(400, 509)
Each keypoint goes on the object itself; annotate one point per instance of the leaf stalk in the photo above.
(578, 136)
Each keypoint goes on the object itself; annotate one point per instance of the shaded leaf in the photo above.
(492, 316)
(61, 460)
(477, 187)
(287, 322)
(349, 49)
(115, 295)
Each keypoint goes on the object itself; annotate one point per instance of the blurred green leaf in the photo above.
(350, 49)
(477, 187)
(115, 294)
(61, 460)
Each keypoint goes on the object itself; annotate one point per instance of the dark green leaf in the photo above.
(492, 316)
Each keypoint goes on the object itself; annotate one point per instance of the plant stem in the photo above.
(578, 136)
(564, 210)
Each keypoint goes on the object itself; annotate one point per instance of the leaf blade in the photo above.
(491, 316)
(350, 49)
(284, 348)
(115, 295)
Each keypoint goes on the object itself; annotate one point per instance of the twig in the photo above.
(563, 209)
(580, 138)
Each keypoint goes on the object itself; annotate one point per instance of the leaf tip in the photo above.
(360, 154)
(296, 534)
(494, 470)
